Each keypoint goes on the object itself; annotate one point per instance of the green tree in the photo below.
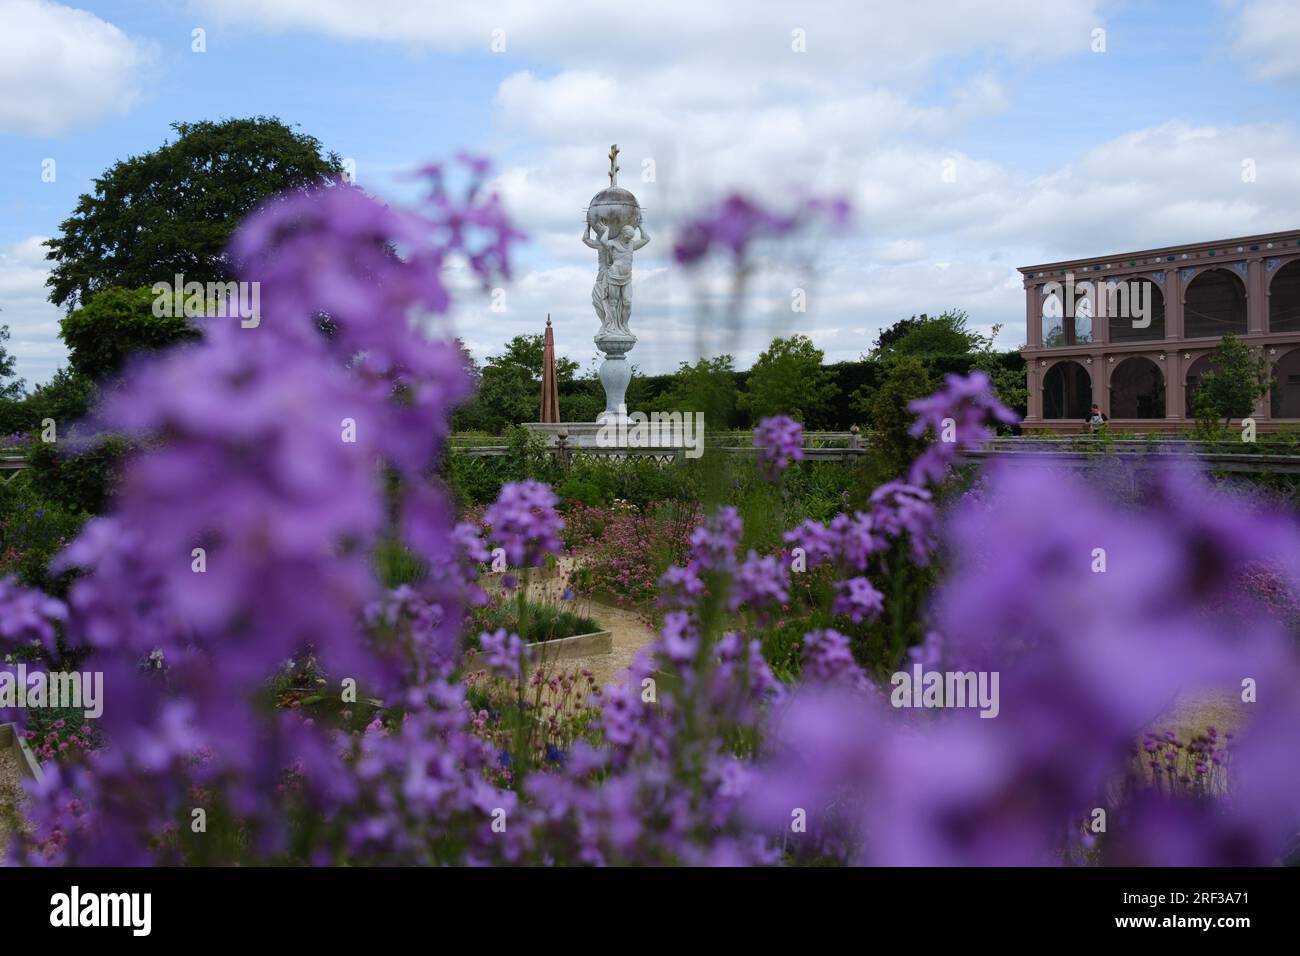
(905, 380)
(173, 210)
(928, 336)
(1008, 383)
(113, 323)
(788, 379)
(523, 355)
(510, 385)
(708, 386)
(13, 389)
(1237, 379)
(66, 397)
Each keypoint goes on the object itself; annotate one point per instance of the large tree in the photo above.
(905, 380)
(173, 210)
(929, 336)
(708, 386)
(510, 386)
(788, 379)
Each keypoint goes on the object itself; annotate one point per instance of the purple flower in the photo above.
(828, 659)
(958, 414)
(819, 544)
(857, 599)
(779, 440)
(27, 615)
(898, 508)
(738, 222)
(680, 587)
(713, 544)
(524, 522)
(680, 639)
(760, 582)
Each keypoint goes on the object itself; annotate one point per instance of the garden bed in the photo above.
(16, 763)
(552, 632)
(593, 644)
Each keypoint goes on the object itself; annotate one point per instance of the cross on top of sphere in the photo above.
(613, 165)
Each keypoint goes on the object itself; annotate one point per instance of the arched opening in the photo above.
(1067, 391)
(1083, 315)
(1053, 321)
(1214, 303)
(1137, 389)
(1135, 310)
(1284, 299)
(1195, 372)
(1065, 326)
(1286, 386)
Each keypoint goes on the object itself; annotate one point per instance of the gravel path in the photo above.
(11, 795)
(629, 630)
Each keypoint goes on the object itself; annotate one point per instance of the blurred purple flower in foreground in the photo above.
(27, 615)
(779, 441)
(738, 222)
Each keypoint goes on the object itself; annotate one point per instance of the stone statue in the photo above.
(611, 296)
(615, 231)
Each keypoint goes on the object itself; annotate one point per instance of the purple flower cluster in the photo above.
(958, 414)
(779, 441)
(28, 616)
(858, 600)
(828, 659)
(738, 222)
(244, 534)
(760, 582)
(713, 544)
(503, 652)
(524, 522)
(1086, 658)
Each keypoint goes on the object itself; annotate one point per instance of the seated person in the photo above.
(1095, 418)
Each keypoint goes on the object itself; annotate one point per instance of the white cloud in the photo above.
(715, 101)
(1268, 38)
(33, 322)
(60, 66)
(877, 38)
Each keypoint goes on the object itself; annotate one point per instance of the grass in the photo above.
(542, 621)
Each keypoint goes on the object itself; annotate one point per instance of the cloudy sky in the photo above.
(971, 136)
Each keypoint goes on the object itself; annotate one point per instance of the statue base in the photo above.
(615, 374)
(593, 436)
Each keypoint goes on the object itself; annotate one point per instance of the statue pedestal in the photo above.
(615, 374)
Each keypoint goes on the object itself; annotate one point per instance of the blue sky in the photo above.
(1059, 150)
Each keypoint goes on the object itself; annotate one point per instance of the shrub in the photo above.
(32, 531)
(79, 475)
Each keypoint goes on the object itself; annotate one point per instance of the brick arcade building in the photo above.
(1134, 332)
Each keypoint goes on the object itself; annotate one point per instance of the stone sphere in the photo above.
(614, 207)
